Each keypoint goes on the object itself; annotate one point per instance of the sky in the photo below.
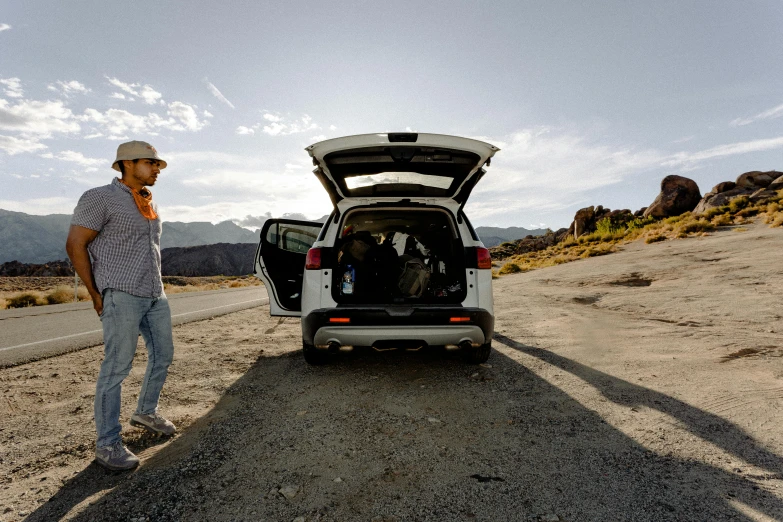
(591, 103)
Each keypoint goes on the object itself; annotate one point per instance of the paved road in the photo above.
(33, 333)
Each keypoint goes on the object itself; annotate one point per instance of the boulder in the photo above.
(584, 219)
(712, 200)
(757, 179)
(777, 184)
(640, 212)
(762, 194)
(722, 187)
(678, 195)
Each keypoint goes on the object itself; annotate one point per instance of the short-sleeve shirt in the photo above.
(126, 252)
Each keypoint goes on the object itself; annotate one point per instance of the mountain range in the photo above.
(40, 239)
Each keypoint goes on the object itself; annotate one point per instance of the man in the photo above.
(117, 225)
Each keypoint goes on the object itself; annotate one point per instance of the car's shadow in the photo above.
(542, 452)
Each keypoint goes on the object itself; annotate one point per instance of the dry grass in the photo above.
(58, 295)
(178, 285)
(172, 285)
(608, 236)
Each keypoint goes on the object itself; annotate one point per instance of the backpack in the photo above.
(414, 278)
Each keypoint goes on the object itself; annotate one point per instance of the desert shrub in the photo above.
(510, 268)
(721, 220)
(676, 219)
(640, 222)
(748, 211)
(691, 227)
(655, 239)
(22, 300)
(608, 227)
(59, 295)
(737, 204)
(711, 213)
(507, 244)
(740, 229)
(598, 250)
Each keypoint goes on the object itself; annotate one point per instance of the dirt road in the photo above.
(645, 385)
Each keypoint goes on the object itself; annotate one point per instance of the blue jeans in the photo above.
(124, 316)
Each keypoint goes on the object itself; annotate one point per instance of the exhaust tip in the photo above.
(333, 346)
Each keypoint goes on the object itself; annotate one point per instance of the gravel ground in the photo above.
(620, 388)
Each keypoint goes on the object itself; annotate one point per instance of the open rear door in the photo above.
(280, 262)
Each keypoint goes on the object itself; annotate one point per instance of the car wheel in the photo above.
(477, 355)
(313, 355)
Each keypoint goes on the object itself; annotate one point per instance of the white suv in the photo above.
(397, 264)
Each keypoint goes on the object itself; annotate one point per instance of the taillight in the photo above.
(483, 260)
(313, 259)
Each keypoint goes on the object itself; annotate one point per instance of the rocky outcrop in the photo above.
(209, 260)
(50, 269)
(678, 195)
(527, 244)
(777, 184)
(756, 179)
(756, 185)
(586, 220)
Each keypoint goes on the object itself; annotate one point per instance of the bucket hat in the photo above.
(136, 150)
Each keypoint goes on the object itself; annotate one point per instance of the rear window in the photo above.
(409, 178)
(400, 171)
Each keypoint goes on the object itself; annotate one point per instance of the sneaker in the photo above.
(155, 423)
(116, 457)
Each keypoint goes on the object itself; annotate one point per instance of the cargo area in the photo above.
(398, 256)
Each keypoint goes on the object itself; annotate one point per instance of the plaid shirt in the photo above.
(126, 253)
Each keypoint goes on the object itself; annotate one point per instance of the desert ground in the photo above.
(642, 385)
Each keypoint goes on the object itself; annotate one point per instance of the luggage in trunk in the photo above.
(399, 256)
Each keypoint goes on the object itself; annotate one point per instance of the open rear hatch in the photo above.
(400, 165)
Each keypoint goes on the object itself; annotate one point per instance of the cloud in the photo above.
(119, 96)
(279, 127)
(688, 159)
(75, 157)
(548, 169)
(146, 93)
(774, 112)
(4, 27)
(40, 206)
(318, 138)
(150, 95)
(127, 87)
(208, 114)
(216, 93)
(254, 222)
(68, 88)
(12, 145)
(119, 122)
(37, 118)
(241, 184)
(12, 87)
(186, 115)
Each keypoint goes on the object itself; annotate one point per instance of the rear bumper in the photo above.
(370, 325)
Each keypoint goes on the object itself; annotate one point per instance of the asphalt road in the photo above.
(28, 334)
